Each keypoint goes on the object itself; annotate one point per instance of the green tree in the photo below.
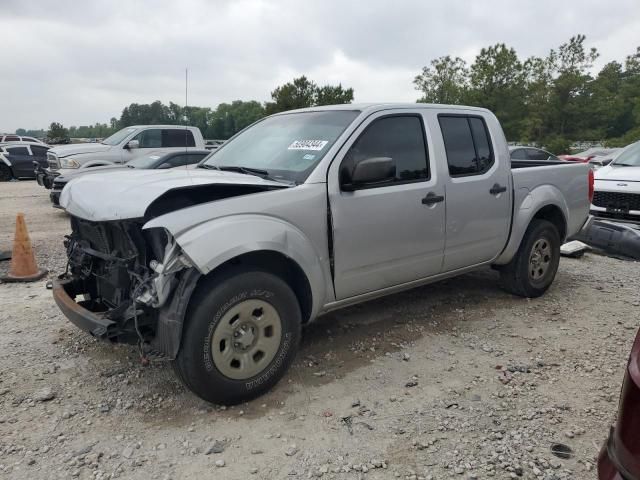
(299, 93)
(21, 131)
(497, 82)
(303, 93)
(333, 95)
(57, 130)
(444, 81)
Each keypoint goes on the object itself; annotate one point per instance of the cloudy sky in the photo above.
(78, 62)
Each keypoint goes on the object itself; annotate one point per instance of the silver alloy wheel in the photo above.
(540, 259)
(246, 339)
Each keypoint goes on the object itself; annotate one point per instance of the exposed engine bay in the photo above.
(124, 274)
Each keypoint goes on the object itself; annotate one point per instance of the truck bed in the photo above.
(566, 181)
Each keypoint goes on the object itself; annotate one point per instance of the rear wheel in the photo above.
(241, 335)
(533, 269)
(5, 173)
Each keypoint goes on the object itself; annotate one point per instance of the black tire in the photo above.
(195, 364)
(518, 276)
(5, 173)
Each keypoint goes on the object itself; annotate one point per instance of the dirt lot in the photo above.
(453, 380)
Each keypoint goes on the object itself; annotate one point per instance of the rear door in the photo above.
(384, 234)
(21, 160)
(478, 192)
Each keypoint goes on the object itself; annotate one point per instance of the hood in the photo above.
(79, 149)
(128, 193)
(71, 173)
(614, 173)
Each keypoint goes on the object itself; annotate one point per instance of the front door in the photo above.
(386, 234)
(478, 193)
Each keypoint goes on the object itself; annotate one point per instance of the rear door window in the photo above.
(519, 154)
(467, 143)
(178, 138)
(535, 154)
(17, 150)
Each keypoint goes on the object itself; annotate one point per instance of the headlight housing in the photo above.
(69, 163)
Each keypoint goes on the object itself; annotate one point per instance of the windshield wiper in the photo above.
(247, 171)
(626, 164)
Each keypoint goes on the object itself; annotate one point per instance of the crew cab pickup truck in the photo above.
(304, 212)
(119, 148)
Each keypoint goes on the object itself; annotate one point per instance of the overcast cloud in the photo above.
(79, 62)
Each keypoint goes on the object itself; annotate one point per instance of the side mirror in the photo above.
(132, 144)
(164, 166)
(370, 171)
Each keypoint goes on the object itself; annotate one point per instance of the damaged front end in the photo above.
(119, 283)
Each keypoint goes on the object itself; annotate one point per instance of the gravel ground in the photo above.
(452, 380)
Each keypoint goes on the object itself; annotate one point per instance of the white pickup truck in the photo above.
(119, 148)
(218, 268)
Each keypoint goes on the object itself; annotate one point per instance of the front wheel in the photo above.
(5, 173)
(240, 336)
(534, 266)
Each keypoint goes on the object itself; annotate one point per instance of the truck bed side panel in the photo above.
(562, 185)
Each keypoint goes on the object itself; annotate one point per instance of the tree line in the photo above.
(215, 123)
(551, 101)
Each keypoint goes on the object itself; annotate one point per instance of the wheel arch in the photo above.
(276, 263)
(545, 202)
(554, 215)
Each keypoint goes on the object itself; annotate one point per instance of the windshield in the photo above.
(286, 146)
(117, 137)
(146, 161)
(630, 156)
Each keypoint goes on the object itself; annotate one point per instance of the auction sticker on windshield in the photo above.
(316, 145)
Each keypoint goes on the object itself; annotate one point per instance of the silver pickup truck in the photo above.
(218, 268)
(119, 148)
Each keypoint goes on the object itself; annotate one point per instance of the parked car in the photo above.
(302, 213)
(617, 187)
(599, 161)
(589, 154)
(153, 160)
(620, 455)
(16, 159)
(213, 144)
(119, 148)
(19, 138)
(530, 153)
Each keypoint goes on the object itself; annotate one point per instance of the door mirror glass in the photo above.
(133, 144)
(164, 165)
(370, 171)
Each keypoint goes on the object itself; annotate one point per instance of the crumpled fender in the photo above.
(533, 201)
(211, 243)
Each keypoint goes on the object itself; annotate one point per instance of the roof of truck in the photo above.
(384, 106)
(161, 126)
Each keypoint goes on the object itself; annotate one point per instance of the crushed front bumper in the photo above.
(64, 293)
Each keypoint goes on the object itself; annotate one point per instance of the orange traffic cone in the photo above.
(23, 262)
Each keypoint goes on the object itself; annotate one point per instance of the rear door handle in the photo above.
(432, 199)
(497, 188)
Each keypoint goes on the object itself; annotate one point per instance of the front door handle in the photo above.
(497, 188)
(432, 199)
